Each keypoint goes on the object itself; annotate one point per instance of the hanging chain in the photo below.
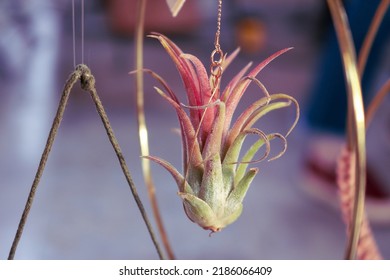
(217, 54)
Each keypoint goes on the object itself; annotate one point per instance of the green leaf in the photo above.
(212, 188)
(214, 139)
(190, 142)
(180, 181)
(238, 193)
(198, 210)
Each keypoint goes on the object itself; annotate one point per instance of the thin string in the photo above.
(87, 80)
(74, 34)
(82, 31)
(74, 31)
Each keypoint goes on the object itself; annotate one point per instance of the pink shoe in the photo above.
(320, 179)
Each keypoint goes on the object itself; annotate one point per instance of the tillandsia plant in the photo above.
(214, 180)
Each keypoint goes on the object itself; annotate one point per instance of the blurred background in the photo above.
(84, 209)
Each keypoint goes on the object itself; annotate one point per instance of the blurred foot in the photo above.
(320, 179)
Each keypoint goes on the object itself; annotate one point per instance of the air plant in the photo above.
(214, 180)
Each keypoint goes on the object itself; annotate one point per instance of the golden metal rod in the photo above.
(142, 128)
(356, 122)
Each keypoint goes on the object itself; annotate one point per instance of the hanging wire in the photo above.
(74, 34)
(217, 54)
(74, 31)
(82, 31)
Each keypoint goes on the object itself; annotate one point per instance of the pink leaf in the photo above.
(239, 90)
(208, 114)
(180, 181)
(190, 143)
(187, 73)
(367, 248)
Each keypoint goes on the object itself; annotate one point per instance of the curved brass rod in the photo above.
(376, 101)
(371, 34)
(142, 127)
(356, 123)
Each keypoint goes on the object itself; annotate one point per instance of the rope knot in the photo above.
(87, 80)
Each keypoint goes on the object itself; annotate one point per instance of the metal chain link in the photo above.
(217, 54)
